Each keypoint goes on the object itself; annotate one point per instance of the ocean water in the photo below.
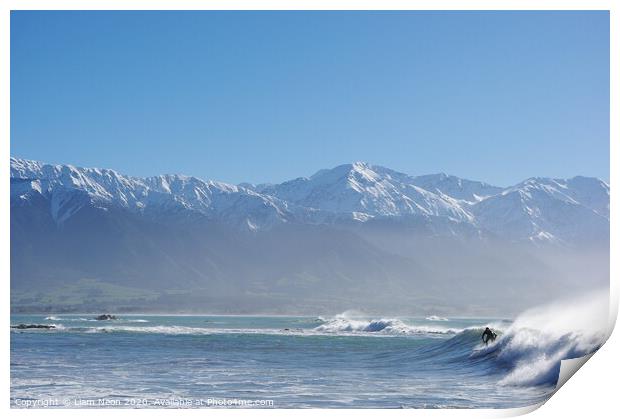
(283, 362)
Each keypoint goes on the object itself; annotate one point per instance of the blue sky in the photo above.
(269, 96)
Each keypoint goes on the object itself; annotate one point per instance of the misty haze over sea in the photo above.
(356, 236)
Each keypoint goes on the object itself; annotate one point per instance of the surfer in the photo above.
(488, 335)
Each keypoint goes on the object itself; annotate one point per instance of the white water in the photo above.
(342, 323)
(540, 338)
(434, 318)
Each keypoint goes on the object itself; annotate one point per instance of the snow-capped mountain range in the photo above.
(538, 210)
(357, 235)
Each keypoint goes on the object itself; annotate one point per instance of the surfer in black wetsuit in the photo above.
(488, 336)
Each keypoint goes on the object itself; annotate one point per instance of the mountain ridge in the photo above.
(355, 192)
(356, 235)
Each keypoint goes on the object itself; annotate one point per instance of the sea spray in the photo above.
(540, 338)
(345, 322)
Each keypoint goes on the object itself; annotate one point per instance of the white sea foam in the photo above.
(84, 319)
(183, 330)
(345, 323)
(341, 327)
(434, 318)
(540, 338)
(168, 330)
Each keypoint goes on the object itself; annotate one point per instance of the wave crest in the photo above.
(434, 318)
(532, 348)
(386, 326)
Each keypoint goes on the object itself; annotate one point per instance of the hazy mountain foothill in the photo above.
(357, 236)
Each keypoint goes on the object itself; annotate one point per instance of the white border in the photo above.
(590, 394)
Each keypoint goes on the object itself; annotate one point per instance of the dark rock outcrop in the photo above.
(106, 317)
(34, 326)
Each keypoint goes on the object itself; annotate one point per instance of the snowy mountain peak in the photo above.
(368, 191)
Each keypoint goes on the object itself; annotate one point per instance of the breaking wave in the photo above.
(539, 339)
(437, 319)
(529, 352)
(385, 326)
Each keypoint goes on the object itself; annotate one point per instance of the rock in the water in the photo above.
(106, 317)
(34, 326)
